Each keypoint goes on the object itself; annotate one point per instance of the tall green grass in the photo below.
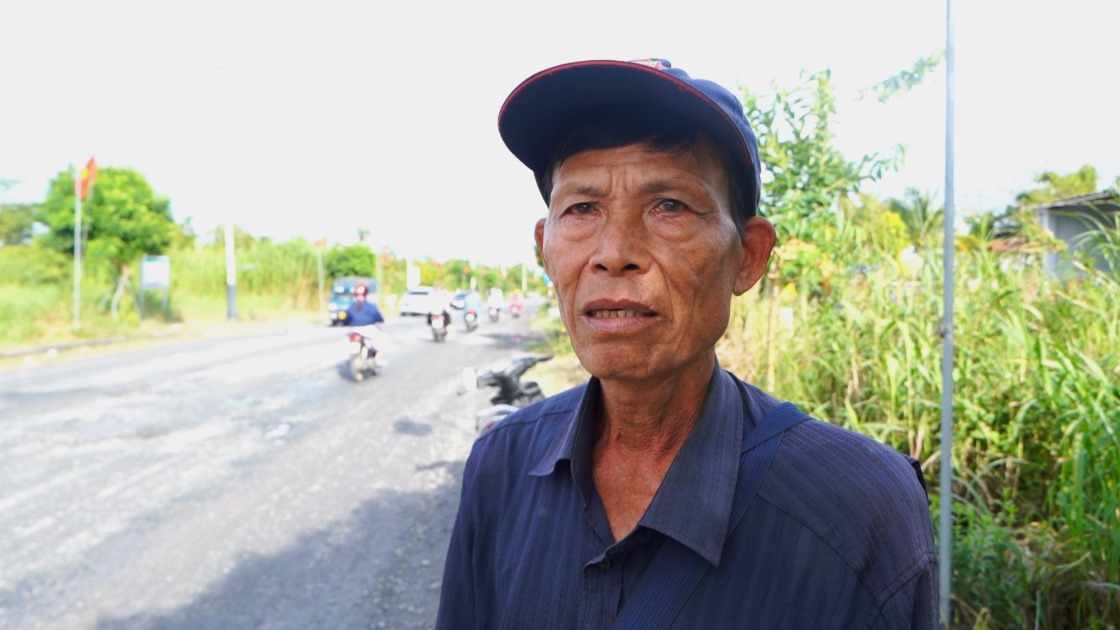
(22, 307)
(1036, 454)
(36, 291)
(287, 273)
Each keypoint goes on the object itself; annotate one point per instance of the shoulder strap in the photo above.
(676, 570)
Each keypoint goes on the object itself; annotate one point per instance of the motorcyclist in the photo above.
(516, 305)
(472, 306)
(440, 302)
(496, 300)
(364, 315)
(362, 312)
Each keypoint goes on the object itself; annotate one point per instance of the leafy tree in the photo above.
(123, 219)
(810, 182)
(32, 266)
(350, 260)
(16, 220)
(916, 210)
(1052, 186)
(185, 236)
(808, 174)
(455, 273)
(1019, 216)
(881, 227)
(905, 80)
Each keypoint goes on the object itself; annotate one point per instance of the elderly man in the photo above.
(666, 492)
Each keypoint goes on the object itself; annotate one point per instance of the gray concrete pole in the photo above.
(231, 273)
(77, 249)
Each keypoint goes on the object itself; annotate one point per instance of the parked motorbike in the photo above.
(439, 321)
(363, 360)
(470, 319)
(513, 393)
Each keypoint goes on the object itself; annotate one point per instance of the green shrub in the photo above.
(23, 265)
(23, 307)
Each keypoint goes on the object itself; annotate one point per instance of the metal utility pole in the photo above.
(77, 250)
(231, 273)
(945, 570)
(319, 245)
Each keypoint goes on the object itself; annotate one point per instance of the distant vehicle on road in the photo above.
(459, 300)
(416, 301)
(516, 305)
(342, 296)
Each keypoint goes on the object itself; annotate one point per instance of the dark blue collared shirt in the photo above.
(838, 536)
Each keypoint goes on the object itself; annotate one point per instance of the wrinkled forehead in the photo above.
(701, 159)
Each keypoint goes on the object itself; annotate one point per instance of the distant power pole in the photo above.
(319, 246)
(83, 185)
(231, 274)
(77, 251)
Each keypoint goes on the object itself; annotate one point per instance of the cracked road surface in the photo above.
(237, 483)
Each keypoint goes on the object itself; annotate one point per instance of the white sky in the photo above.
(319, 118)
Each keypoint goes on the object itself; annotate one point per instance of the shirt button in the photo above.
(605, 565)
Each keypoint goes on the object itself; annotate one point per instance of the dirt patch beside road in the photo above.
(68, 346)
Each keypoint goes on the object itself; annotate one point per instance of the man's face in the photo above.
(645, 256)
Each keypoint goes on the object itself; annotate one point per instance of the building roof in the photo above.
(1104, 197)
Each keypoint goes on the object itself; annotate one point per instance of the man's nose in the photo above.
(621, 245)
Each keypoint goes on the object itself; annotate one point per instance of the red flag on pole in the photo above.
(89, 175)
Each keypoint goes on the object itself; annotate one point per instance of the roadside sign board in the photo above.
(155, 272)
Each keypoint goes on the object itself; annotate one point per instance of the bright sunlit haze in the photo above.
(318, 120)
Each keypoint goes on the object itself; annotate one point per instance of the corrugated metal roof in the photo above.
(1103, 197)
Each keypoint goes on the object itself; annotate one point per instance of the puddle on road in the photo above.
(408, 427)
(277, 432)
(244, 401)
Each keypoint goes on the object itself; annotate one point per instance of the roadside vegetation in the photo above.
(847, 323)
(1036, 405)
(273, 280)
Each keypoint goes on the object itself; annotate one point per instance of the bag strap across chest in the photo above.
(676, 570)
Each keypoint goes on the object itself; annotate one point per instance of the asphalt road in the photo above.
(238, 482)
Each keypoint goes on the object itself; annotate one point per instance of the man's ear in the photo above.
(757, 243)
(538, 234)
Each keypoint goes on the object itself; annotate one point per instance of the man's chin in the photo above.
(616, 364)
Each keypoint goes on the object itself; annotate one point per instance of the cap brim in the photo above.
(543, 104)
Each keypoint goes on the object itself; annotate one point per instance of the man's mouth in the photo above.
(616, 312)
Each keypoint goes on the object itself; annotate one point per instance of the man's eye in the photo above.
(670, 205)
(582, 208)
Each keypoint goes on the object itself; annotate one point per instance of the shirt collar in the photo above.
(693, 504)
(578, 436)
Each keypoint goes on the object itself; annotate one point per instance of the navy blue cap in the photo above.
(538, 109)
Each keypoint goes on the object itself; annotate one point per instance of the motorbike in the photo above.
(515, 310)
(513, 393)
(363, 360)
(470, 319)
(494, 312)
(439, 321)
